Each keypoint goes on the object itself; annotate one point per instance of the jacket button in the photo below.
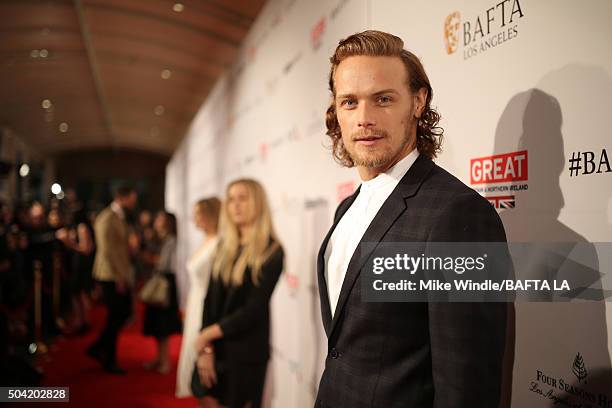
(333, 353)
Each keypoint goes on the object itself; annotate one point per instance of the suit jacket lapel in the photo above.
(390, 211)
(323, 292)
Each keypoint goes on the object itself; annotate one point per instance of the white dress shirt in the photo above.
(355, 222)
(118, 210)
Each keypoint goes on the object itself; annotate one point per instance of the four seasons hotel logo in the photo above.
(488, 29)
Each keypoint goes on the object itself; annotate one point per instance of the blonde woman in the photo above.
(234, 344)
(206, 219)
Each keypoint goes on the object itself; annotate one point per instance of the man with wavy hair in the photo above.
(440, 355)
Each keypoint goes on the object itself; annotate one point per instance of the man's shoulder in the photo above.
(442, 190)
(446, 186)
(459, 212)
(106, 212)
(105, 216)
(439, 177)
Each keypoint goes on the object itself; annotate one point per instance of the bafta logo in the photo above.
(451, 32)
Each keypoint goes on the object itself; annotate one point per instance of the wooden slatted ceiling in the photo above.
(103, 68)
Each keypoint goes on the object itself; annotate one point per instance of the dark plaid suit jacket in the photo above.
(415, 355)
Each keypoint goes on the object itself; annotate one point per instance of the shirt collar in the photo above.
(117, 210)
(394, 174)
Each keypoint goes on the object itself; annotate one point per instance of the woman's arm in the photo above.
(253, 311)
(85, 245)
(256, 306)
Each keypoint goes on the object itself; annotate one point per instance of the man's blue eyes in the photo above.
(353, 102)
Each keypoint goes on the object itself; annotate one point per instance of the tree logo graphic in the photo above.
(579, 369)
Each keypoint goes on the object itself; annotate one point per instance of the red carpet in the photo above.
(67, 365)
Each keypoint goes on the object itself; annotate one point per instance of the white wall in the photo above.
(547, 89)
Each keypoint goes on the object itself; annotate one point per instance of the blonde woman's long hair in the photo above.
(210, 208)
(256, 250)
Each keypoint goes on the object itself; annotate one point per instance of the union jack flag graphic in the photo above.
(500, 202)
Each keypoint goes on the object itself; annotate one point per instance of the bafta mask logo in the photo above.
(451, 32)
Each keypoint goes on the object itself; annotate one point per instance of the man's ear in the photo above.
(420, 97)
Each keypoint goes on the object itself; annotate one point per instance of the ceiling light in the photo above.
(56, 188)
(46, 104)
(159, 110)
(63, 127)
(24, 170)
(34, 53)
(43, 53)
(60, 195)
(166, 73)
(178, 7)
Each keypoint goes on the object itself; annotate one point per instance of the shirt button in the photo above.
(333, 353)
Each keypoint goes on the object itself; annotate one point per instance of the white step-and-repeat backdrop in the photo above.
(525, 92)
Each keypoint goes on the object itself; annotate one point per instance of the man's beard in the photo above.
(374, 158)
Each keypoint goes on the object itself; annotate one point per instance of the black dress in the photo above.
(82, 265)
(241, 356)
(161, 322)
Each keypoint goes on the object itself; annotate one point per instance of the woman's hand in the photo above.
(206, 369)
(207, 336)
(62, 235)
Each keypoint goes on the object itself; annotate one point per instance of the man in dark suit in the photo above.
(408, 355)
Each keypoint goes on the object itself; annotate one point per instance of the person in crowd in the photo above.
(435, 354)
(61, 268)
(161, 321)
(92, 216)
(145, 220)
(7, 216)
(17, 245)
(40, 252)
(135, 257)
(233, 345)
(22, 216)
(148, 246)
(206, 219)
(16, 366)
(72, 206)
(13, 287)
(78, 238)
(41, 238)
(5, 230)
(113, 270)
(54, 219)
